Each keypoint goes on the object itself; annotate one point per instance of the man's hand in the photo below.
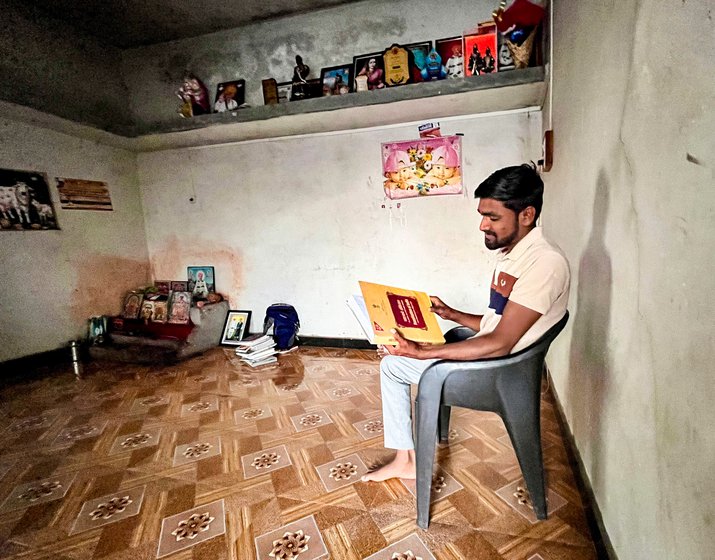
(441, 308)
(404, 347)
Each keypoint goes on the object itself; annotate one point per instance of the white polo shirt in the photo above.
(534, 274)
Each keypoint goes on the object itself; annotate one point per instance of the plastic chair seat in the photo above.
(509, 386)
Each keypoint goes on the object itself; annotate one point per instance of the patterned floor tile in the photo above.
(300, 540)
(138, 440)
(267, 460)
(73, 434)
(197, 451)
(342, 392)
(310, 420)
(443, 485)
(252, 413)
(370, 428)
(341, 472)
(208, 404)
(192, 527)
(108, 509)
(409, 548)
(38, 492)
(143, 404)
(517, 496)
(32, 423)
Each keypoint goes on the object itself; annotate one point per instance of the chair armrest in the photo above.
(457, 334)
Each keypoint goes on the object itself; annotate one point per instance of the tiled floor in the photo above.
(211, 459)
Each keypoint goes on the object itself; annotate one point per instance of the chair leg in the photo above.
(444, 414)
(526, 438)
(426, 443)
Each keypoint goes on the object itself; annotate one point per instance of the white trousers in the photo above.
(397, 373)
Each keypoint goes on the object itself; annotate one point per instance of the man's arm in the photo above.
(446, 312)
(515, 321)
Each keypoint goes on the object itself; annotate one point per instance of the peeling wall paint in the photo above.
(301, 219)
(267, 50)
(53, 281)
(634, 368)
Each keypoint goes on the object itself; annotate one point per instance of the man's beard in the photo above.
(496, 243)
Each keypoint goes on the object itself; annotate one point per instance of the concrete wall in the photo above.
(53, 281)
(49, 66)
(632, 200)
(267, 50)
(301, 219)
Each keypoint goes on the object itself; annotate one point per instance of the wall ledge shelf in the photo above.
(516, 89)
(478, 95)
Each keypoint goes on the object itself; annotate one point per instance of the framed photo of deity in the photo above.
(201, 280)
(179, 308)
(450, 49)
(336, 80)
(230, 96)
(179, 286)
(368, 72)
(284, 91)
(480, 50)
(418, 59)
(132, 305)
(236, 326)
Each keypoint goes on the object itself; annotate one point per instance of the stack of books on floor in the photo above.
(257, 350)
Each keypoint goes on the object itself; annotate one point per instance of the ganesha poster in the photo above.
(424, 167)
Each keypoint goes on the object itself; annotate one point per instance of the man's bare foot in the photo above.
(402, 466)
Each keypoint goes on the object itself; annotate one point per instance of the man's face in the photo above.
(499, 224)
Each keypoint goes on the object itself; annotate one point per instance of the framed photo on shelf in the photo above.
(284, 91)
(179, 286)
(236, 326)
(201, 280)
(179, 308)
(450, 49)
(335, 80)
(230, 96)
(132, 305)
(368, 72)
(418, 58)
(480, 50)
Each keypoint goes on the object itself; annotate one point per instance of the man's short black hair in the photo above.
(517, 187)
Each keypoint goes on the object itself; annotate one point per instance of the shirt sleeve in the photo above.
(542, 283)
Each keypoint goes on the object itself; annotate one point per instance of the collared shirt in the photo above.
(534, 274)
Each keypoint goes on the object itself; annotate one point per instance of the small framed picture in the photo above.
(163, 287)
(310, 89)
(418, 59)
(179, 286)
(480, 50)
(284, 92)
(450, 50)
(230, 96)
(369, 72)
(147, 310)
(336, 80)
(236, 326)
(179, 308)
(132, 305)
(160, 314)
(201, 280)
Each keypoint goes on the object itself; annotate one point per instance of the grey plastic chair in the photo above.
(509, 386)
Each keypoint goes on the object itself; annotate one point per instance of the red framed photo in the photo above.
(480, 50)
(450, 50)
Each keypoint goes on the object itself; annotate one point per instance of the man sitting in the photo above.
(529, 294)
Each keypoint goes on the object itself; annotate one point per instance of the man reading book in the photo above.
(529, 294)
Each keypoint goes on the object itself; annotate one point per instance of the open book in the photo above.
(383, 308)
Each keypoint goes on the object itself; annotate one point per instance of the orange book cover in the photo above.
(408, 311)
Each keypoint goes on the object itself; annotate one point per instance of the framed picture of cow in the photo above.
(25, 202)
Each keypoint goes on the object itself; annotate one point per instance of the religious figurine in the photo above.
(195, 97)
(300, 79)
